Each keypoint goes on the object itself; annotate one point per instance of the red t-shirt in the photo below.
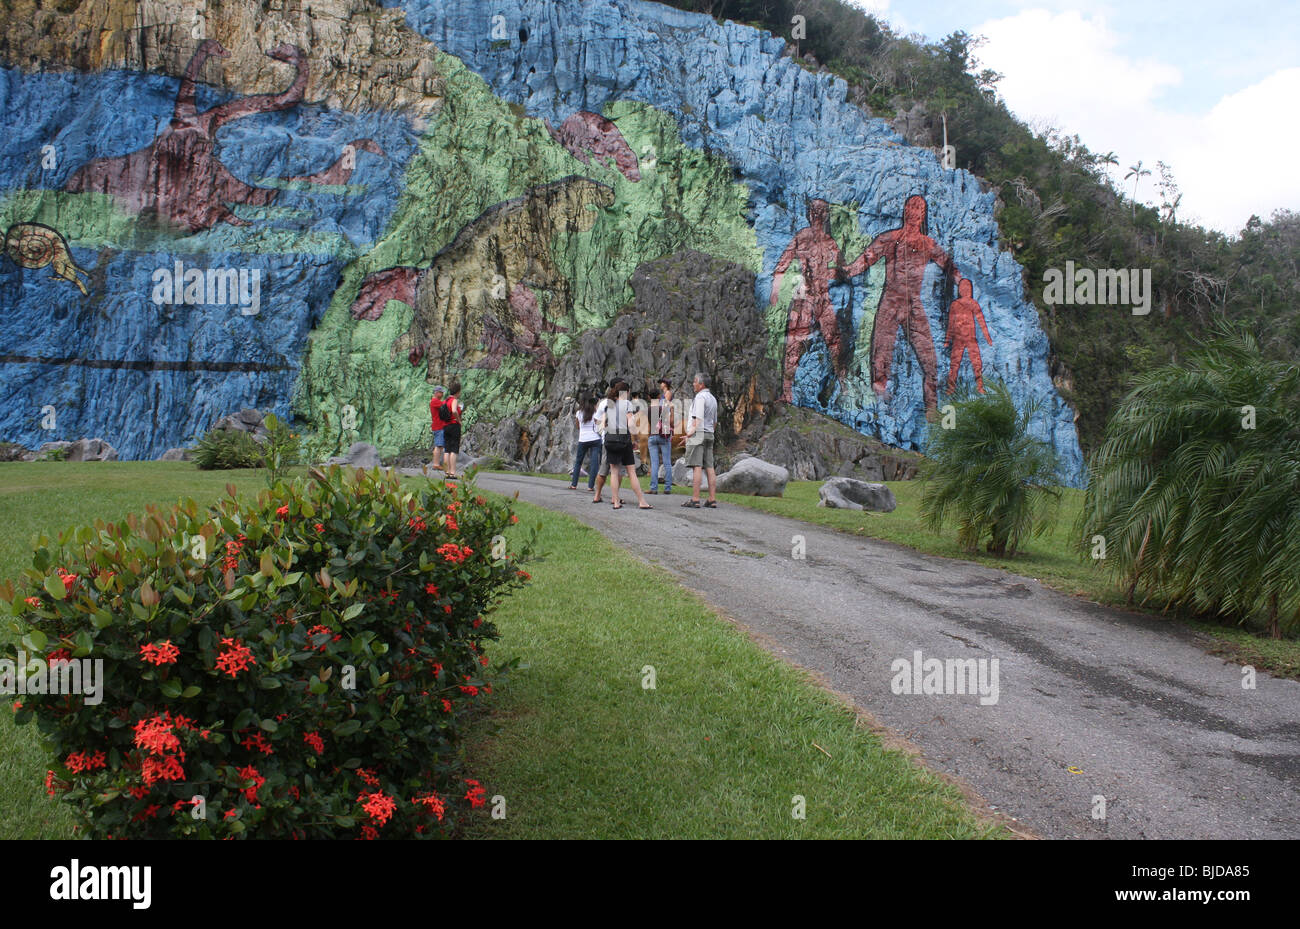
(435, 412)
(451, 416)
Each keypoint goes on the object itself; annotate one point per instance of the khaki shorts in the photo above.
(699, 450)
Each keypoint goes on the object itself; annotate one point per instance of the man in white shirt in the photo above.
(700, 427)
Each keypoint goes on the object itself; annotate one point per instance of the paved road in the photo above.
(1091, 701)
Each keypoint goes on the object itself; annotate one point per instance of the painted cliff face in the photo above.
(477, 302)
(417, 211)
(179, 177)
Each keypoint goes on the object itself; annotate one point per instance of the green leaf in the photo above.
(102, 619)
(36, 640)
(347, 728)
(54, 586)
(270, 725)
(171, 688)
(353, 611)
(191, 691)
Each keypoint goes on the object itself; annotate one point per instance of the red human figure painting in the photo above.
(819, 259)
(179, 177)
(907, 252)
(962, 316)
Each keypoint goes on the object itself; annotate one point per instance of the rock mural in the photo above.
(324, 210)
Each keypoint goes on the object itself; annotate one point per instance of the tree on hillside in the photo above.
(1195, 490)
(984, 469)
(1137, 172)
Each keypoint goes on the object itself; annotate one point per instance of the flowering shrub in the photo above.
(300, 666)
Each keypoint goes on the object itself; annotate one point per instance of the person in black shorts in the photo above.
(451, 410)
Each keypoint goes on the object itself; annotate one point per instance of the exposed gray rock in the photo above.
(250, 421)
(681, 474)
(845, 493)
(814, 447)
(45, 448)
(91, 450)
(360, 455)
(754, 477)
(176, 454)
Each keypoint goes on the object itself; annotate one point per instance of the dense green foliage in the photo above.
(1196, 488)
(297, 666)
(1059, 204)
(224, 449)
(984, 469)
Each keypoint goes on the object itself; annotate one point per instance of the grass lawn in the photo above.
(573, 741)
(1048, 558)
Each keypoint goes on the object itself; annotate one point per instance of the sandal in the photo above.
(597, 501)
(711, 504)
(618, 506)
(646, 507)
(692, 503)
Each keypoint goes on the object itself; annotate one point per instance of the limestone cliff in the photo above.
(324, 207)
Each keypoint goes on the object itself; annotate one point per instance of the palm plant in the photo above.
(1137, 172)
(1196, 486)
(989, 473)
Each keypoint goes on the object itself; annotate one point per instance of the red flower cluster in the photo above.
(475, 794)
(78, 762)
(315, 741)
(454, 553)
(416, 523)
(233, 549)
(431, 589)
(33, 601)
(369, 778)
(237, 657)
(452, 525)
(250, 773)
(58, 656)
(162, 653)
(258, 741)
(283, 511)
(68, 579)
(379, 805)
(433, 804)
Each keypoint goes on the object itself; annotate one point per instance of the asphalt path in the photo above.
(1091, 702)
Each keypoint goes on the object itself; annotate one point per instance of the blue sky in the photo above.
(1212, 89)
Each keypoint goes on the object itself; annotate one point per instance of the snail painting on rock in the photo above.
(33, 245)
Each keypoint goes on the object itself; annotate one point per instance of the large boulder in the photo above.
(250, 421)
(360, 455)
(845, 493)
(682, 475)
(813, 447)
(176, 454)
(91, 450)
(754, 477)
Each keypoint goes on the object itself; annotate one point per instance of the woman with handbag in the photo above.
(616, 417)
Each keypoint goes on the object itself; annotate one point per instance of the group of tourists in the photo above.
(609, 429)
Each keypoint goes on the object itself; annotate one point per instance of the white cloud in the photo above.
(1068, 69)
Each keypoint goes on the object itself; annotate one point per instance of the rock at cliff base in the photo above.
(176, 454)
(360, 455)
(754, 477)
(845, 493)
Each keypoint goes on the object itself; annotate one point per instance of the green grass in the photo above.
(573, 741)
(1049, 558)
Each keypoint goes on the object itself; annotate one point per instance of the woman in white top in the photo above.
(588, 443)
